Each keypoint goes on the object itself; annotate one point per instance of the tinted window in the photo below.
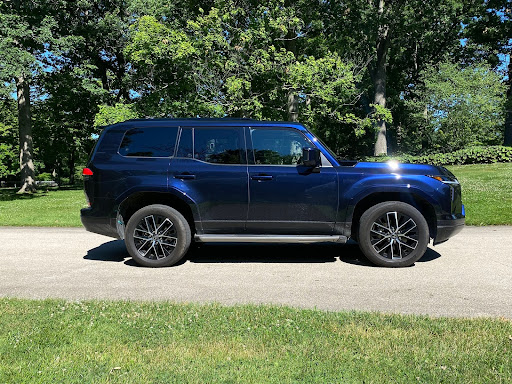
(213, 145)
(278, 146)
(149, 142)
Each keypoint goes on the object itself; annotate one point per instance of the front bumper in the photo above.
(98, 224)
(447, 229)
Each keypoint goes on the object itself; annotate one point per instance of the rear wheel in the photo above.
(157, 236)
(393, 234)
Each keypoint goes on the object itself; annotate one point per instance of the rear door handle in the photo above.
(185, 176)
(262, 177)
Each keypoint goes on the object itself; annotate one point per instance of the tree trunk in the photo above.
(72, 167)
(292, 106)
(25, 133)
(292, 101)
(508, 112)
(379, 82)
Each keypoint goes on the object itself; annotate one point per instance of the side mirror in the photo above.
(311, 157)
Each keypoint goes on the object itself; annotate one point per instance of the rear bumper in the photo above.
(98, 224)
(447, 229)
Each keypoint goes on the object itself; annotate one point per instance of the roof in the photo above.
(213, 122)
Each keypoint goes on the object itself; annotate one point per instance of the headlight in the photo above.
(444, 179)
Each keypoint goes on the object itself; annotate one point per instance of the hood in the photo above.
(402, 169)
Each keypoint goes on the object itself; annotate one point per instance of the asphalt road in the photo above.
(468, 276)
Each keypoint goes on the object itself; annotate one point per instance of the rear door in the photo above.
(285, 196)
(210, 166)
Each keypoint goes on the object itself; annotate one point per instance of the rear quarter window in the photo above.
(149, 142)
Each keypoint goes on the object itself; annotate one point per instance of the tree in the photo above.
(393, 41)
(489, 37)
(9, 163)
(27, 41)
(456, 107)
(260, 60)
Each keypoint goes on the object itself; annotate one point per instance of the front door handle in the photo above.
(185, 176)
(262, 177)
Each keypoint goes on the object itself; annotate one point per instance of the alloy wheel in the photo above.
(155, 237)
(394, 235)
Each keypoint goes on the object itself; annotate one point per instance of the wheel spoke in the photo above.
(409, 238)
(399, 250)
(142, 246)
(381, 240)
(142, 230)
(165, 221)
(147, 224)
(163, 251)
(141, 238)
(384, 247)
(400, 227)
(408, 246)
(383, 227)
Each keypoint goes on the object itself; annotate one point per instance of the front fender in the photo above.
(404, 185)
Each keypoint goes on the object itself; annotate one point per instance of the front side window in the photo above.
(278, 146)
(149, 142)
(212, 145)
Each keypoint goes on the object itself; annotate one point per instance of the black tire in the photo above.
(383, 244)
(157, 236)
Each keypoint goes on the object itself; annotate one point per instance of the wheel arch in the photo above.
(420, 203)
(139, 199)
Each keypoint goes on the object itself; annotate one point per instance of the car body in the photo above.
(242, 180)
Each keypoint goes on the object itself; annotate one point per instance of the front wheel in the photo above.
(157, 236)
(393, 234)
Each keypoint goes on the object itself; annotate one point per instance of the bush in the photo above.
(44, 176)
(472, 155)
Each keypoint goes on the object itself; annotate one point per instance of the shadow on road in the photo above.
(115, 251)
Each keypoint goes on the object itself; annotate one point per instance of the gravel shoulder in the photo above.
(468, 276)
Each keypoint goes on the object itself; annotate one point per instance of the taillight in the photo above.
(87, 172)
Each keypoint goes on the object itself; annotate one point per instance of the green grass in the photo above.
(54, 208)
(125, 342)
(486, 192)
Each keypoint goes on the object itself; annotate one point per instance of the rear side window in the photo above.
(212, 145)
(149, 142)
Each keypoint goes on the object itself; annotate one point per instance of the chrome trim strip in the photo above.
(300, 239)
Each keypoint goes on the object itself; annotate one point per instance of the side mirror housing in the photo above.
(311, 157)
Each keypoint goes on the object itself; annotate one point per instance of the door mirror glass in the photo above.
(311, 157)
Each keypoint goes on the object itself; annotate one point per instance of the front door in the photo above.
(285, 196)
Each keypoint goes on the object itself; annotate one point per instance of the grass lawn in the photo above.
(486, 192)
(125, 342)
(55, 208)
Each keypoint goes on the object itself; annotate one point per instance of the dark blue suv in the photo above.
(161, 184)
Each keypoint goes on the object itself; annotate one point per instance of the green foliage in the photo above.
(114, 114)
(471, 155)
(95, 63)
(457, 107)
(9, 162)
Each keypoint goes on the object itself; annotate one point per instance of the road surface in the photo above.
(468, 276)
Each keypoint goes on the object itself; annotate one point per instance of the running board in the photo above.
(290, 239)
